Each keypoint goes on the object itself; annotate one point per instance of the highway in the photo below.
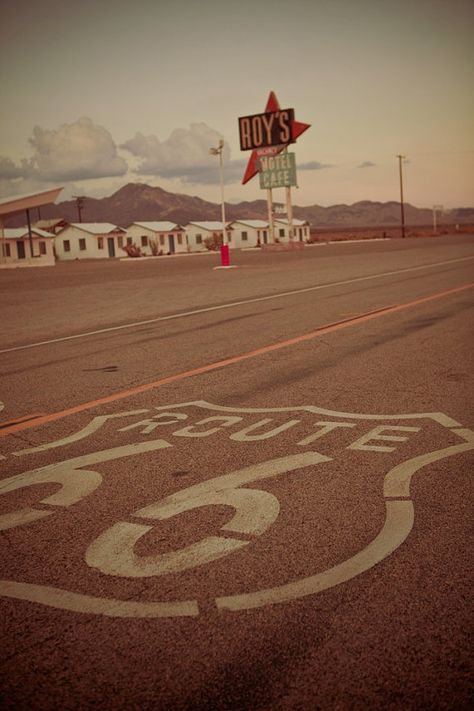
(239, 489)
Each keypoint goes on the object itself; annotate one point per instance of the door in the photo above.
(111, 246)
(20, 245)
(172, 247)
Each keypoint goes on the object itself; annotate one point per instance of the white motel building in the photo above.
(16, 248)
(104, 240)
(157, 237)
(198, 232)
(301, 230)
(249, 233)
(90, 240)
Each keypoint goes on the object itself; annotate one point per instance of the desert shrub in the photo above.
(154, 247)
(132, 250)
(213, 243)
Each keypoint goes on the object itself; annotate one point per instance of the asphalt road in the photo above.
(239, 489)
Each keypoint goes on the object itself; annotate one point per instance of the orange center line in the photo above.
(17, 420)
(28, 423)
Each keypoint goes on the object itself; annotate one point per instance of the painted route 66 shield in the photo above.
(300, 499)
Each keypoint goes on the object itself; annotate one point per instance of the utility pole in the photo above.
(402, 208)
(30, 236)
(79, 204)
(435, 209)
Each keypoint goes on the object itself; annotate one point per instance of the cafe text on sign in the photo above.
(268, 129)
(277, 171)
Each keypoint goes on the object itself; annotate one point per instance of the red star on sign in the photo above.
(297, 128)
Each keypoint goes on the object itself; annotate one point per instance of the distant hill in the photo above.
(139, 202)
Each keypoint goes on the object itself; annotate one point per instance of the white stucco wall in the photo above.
(9, 252)
(255, 232)
(193, 232)
(163, 239)
(93, 242)
(301, 231)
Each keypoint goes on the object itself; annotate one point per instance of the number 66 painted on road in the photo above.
(113, 551)
(255, 510)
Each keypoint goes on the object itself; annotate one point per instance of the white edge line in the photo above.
(438, 417)
(231, 305)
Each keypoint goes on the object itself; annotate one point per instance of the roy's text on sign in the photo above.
(268, 129)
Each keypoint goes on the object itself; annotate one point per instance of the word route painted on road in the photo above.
(308, 443)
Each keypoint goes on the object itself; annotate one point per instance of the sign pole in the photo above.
(3, 252)
(289, 211)
(270, 214)
(225, 262)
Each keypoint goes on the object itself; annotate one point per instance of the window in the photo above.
(42, 246)
(82, 244)
(162, 240)
(281, 233)
(66, 245)
(180, 239)
(198, 239)
(144, 239)
(244, 236)
(229, 237)
(120, 241)
(264, 234)
(129, 240)
(100, 243)
(7, 250)
(301, 233)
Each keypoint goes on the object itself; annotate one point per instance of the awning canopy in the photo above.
(19, 203)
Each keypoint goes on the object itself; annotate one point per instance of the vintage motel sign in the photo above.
(271, 128)
(277, 171)
(297, 128)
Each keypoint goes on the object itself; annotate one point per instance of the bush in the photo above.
(132, 250)
(213, 243)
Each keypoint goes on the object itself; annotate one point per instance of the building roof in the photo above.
(257, 224)
(159, 226)
(54, 222)
(97, 228)
(294, 222)
(210, 226)
(21, 232)
(18, 203)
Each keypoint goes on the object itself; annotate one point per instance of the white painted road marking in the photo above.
(76, 483)
(255, 511)
(233, 304)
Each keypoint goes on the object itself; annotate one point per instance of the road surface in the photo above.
(239, 489)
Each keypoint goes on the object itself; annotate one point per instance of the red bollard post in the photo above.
(225, 260)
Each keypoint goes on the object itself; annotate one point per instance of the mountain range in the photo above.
(141, 203)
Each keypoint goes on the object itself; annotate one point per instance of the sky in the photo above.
(98, 94)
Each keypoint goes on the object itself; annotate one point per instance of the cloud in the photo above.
(23, 186)
(367, 164)
(75, 151)
(184, 155)
(314, 165)
(10, 171)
